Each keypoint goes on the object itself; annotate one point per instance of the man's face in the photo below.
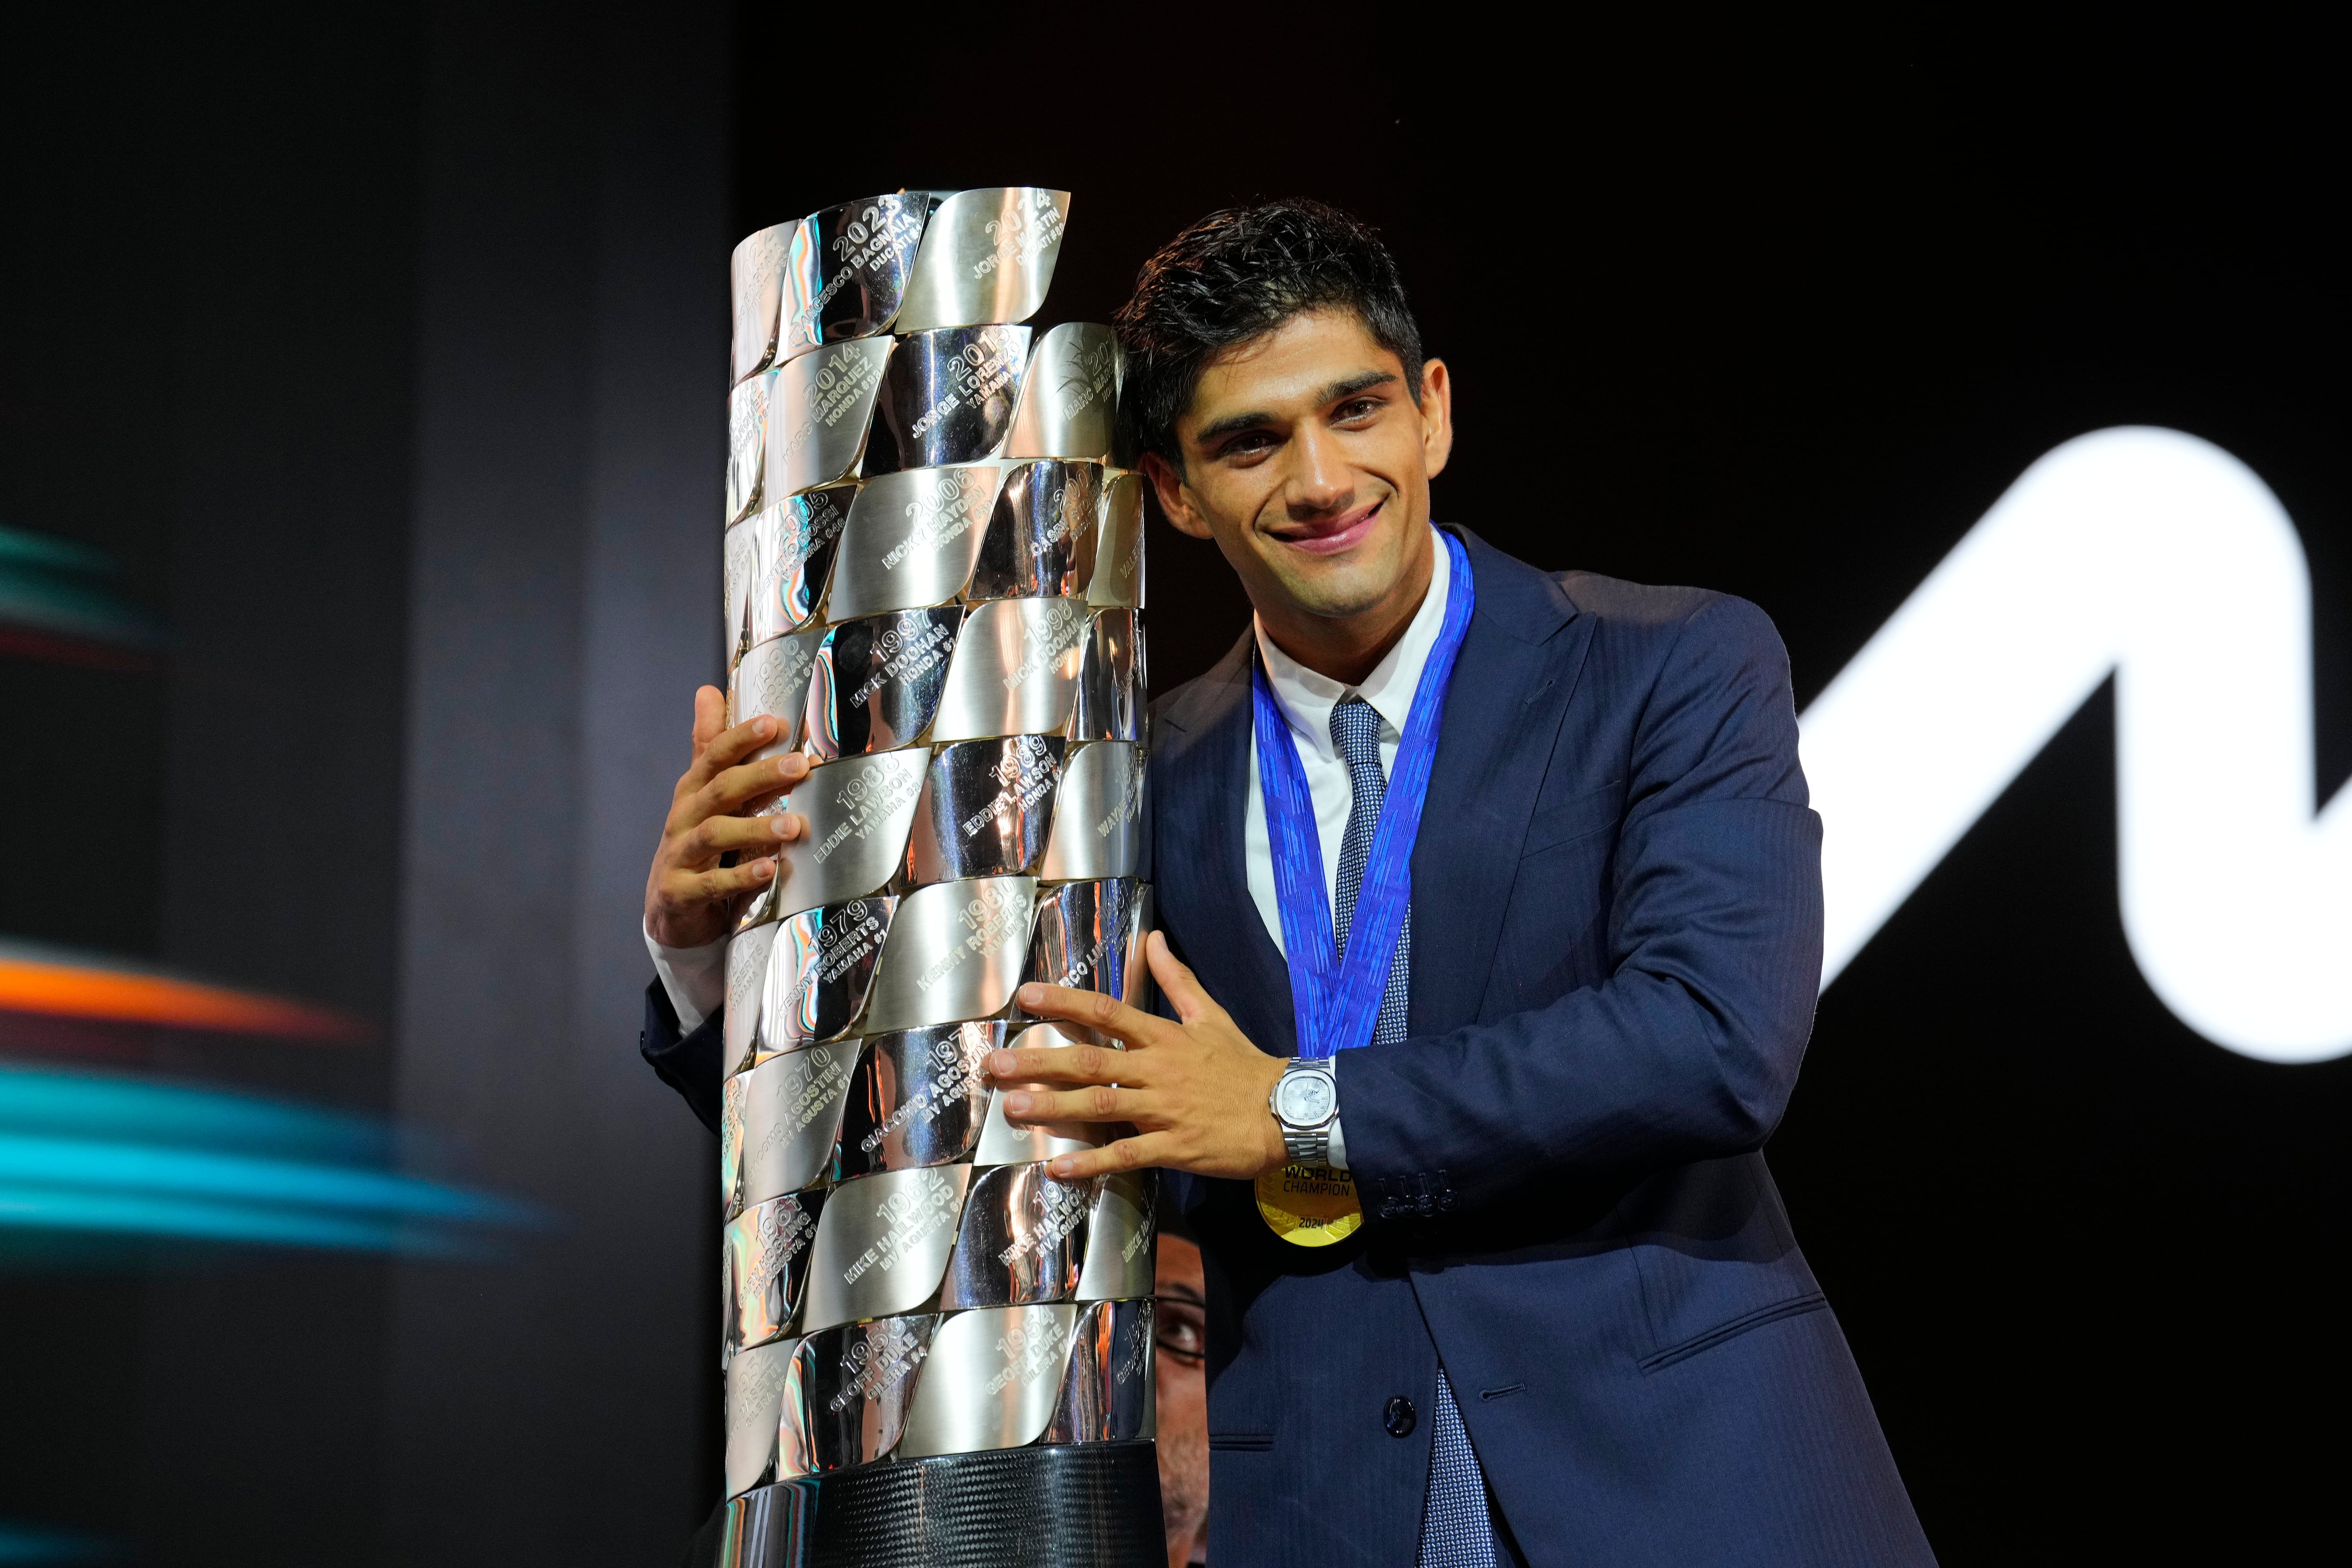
(1308, 461)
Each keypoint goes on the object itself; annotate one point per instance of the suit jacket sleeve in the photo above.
(688, 1063)
(1690, 1046)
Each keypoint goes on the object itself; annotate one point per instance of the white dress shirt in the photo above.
(696, 977)
(1306, 700)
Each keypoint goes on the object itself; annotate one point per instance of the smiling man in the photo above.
(1491, 914)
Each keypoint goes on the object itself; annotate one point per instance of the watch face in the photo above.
(1306, 1098)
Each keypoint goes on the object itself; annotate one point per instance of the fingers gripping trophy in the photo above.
(934, 1351)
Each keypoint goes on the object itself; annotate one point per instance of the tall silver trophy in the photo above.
(935, 1353)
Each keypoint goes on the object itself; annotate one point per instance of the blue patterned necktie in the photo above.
(1455, 1531)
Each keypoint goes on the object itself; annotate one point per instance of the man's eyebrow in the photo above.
(1184, 1294)
(1233, 424)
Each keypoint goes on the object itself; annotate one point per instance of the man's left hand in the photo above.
(1195, 1090)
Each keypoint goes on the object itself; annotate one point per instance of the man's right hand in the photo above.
(691, 899)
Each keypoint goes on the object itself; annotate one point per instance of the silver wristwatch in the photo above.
(1305, 1101)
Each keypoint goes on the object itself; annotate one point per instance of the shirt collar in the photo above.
(1308, 697)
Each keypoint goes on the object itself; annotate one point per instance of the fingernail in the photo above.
(763, 727)
(1000, 1063)
(782, 826)
(1016, 1105)
(1063, 1166)
(767, 868)
(1031, 995)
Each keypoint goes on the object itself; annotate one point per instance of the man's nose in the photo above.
(1318, 481)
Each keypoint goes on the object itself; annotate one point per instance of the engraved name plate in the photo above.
(1003, 1142)
(987, 808)
(1086, 936)
(1041, 537)
(819, 972)
(1016, 670)
(858, 811)
(1106, 1392)
(747, 976)
(1023, 1239)
(755, 1405)
(1109, 701)
(847, 1399)
(755, 281)
(877, 681)
(1118, 553)
(1067, 396)
(884, 1244)
(912, 539)
(848, 273)
(947, 396)
(766, 1253)
(988, 255)
(955, 953)
(791, 1120)
(772, 680)
(991, 1380)
(1119, 1237)
(777, 561)
(919, 1098)
(819, 412)
(1098, 818)
(747, 434)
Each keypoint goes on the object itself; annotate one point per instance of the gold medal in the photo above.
(1309, 1205)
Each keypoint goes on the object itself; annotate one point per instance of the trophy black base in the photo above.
(1095, 1504)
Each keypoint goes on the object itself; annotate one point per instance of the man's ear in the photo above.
(1436, 417)
(1174, 503)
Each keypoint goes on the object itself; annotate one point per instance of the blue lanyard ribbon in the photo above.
(1336, 1005)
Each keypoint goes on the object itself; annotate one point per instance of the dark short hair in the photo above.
(1237, 274)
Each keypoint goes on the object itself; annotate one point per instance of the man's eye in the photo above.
(1244, 445)
(1358, 409)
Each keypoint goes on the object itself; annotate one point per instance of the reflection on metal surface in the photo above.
(1016, 670)
(1138, 994)
(877, 681)
(1118, 555)
(755, 1397)
(746, 438)
(858, 811)
(1108, 1388)
(946, 398)
(1099, 822)
(1022, 1239)
(988, 255)
(1086, 936)
(754, 278)
(847, 1399)
(987, 808)
(912, 539)
(991, 1381)
(773, 679)
(1066, 406)
(1109, 703)
(919, 1098)
(1119, 1237)
(819, 411)
(770, 1527)
(1040, 540)
(765, 1253)
(747, 975)
(955, 953)
(884, 1244)
(778, 559)
(819, 972)
(1007, 1143)
(846, 271)
(781, 1121)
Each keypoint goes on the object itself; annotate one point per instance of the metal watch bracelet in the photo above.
(1306, 1141)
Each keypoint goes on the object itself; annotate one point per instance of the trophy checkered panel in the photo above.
(934, 577)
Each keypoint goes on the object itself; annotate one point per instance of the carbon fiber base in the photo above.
(1085, 1505)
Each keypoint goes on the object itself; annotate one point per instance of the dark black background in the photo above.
(1780, 311)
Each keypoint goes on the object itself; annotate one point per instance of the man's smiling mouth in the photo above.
(1329, 536)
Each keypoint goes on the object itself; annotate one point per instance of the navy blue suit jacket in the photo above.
(1616, 948)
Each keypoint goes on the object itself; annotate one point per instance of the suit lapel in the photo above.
(1514, 678)
(1201, 786)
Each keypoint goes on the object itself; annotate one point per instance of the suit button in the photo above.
(1398, 1415)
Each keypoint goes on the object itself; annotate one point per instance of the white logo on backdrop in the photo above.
(2164, 560)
